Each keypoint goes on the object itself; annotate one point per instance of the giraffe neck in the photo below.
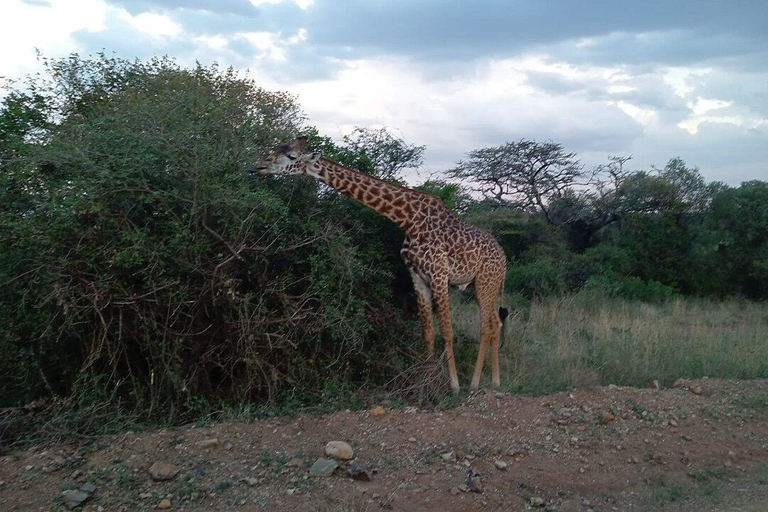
(405, 207)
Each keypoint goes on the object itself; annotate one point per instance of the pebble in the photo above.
(323, 467)
(358, 472)
(162, 471)
(448, 456)
(164, 504)
(73, 498)
(208, 443)
(339, 450)
(535, 501)
(377, 411)
(500, 464)
(474, 482)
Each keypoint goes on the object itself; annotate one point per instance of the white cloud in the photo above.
(25, 27)
(155, 25)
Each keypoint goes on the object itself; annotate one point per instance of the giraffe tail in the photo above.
(503, 314)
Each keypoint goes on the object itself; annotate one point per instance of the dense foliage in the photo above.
(141, 266)
(140, 263)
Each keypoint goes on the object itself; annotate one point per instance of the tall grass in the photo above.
(585, 339)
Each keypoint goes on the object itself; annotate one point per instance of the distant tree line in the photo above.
(142, 267)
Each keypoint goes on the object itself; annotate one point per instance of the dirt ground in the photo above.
(701, 446)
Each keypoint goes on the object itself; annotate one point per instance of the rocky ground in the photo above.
(701, 446)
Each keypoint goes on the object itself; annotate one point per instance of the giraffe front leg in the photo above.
(424, 299)
(442, 300)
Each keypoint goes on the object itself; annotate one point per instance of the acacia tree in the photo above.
(525, 174)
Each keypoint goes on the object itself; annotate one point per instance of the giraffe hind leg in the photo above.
(443, 303)
(490, 321)
(424, 300)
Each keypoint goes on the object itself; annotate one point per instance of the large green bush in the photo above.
(139, 261)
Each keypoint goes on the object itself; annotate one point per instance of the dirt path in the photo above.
(701, 447)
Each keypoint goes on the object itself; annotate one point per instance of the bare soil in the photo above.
(701, 446)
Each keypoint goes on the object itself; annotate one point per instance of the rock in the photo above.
(358, 472)
(455, 490)
(500, 464)
(73, 498)
(672, 422)
(448, 457)
(251, 481)
(474, 483)
(339, 450)
(162, 471)
(535, 501)
(294, 463)
(323, 467)
(680, 383)
(411, 439)
(164, 504)
(696, 390)
(377, 411)
(206, 444)
(88, 487)
(654, 384)
(608, 417)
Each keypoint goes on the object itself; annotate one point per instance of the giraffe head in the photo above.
(288, 159)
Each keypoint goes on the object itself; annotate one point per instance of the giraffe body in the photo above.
(439, 250)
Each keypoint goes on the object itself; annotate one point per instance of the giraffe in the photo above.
(439, 250)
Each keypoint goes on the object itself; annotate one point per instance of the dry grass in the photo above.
(582, 340)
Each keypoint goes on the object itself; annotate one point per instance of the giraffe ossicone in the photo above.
(439, 249)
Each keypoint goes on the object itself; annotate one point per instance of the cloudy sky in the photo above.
(652, 79)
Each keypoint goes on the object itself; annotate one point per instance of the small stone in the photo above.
(686, 438)
(339, 450)
(323, 467)
(448, 457)
(164, 504)
(608, 417)
(654, 384)
(377, 411)
(74, 498)
(474, 482)
(535, 501)
(696, 390)
(29, 468)
(500, 464)
(145, 495)
(251, 481)
(358, 472)
(88, 487)
(294, 463)
(455, 490)
(162, 471)
(206, 444)
(463, 488)
(411, 439)
(672, 422)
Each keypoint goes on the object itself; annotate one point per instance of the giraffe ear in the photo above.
(299, 144)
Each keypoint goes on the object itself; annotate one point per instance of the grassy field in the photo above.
(583, 340)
